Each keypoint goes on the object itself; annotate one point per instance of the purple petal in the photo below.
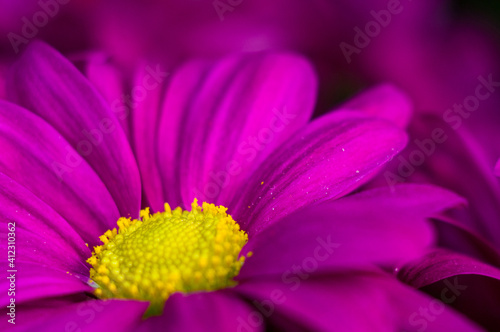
(471, 177)
(497, 168)
(384, 101)
(34, 281)
(467, 284)
(39, 230)
(327, 159)
(183, 85)
(109, 81)
(34, 155)
(146, 117)
(452, 159)
(219, 112)
(211, 311)
(440, 264)
(350, 301)
(46, 83)
(381, 226)
(37, 311)
(89, 315)
(455, 235)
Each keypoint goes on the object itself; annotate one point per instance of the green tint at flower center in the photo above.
(168, 252)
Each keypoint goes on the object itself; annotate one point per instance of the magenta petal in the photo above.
(39, 230)
(471, 177)
(33, 155)
(350, 301)
(455, 235)
(110, 83)
(381, 226)
(146, 118)
(327, 159)
(46, 83)
(497, 168)
(467, 284)
(33, 281)
(228, 117)
(183, 85)
(440, 264)
(384, 101)
(90, 315)
(211, 311)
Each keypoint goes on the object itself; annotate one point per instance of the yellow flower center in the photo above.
(173, 251)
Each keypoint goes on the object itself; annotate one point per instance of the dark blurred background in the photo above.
(420, 50)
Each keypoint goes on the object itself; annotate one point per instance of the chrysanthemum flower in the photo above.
(314, 259)
(468, 237)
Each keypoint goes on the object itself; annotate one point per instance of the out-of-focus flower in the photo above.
(452, 75)
(417, 45)
(62, 23)
(68, 173)
(454, 160)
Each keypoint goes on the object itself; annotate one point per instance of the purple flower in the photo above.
(469, 236)
(236, 132)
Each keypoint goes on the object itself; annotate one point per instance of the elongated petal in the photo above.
(456, 236)
(211, 311)
(497, 168)
(47, 84)
(467, 284)
(184, 84)
(38, 231)
(327, 159)
(110, 83)
(440, 264)
(351, 301)
(34, 282)
(146, 117)
(88, 315)
(379, 226)
(34, 155)
(384, 101)
(228, 117)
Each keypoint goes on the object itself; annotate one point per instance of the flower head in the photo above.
(67, 178)
(168, 252)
